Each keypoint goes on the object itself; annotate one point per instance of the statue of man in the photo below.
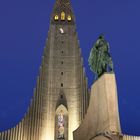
(100, 60)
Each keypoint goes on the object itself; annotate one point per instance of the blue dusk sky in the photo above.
(24, 27)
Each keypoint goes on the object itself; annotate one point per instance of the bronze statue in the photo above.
(100, 60)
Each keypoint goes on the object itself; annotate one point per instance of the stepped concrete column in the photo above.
(102, 119)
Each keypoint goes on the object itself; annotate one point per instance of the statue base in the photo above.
(102, 116)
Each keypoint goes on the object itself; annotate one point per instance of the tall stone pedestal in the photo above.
(102, 119)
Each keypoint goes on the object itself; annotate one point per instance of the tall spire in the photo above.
(62, 13)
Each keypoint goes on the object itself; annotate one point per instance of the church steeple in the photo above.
(62, 13)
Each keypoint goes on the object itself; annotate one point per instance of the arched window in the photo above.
(69, 18)
(63, 16)
(56, 17)
(61, 123)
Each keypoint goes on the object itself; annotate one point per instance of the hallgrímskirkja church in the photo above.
(62, 107)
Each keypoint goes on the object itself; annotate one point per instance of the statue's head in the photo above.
(101, 36)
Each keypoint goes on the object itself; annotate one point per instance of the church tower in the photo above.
(61, 97)
(66, 86)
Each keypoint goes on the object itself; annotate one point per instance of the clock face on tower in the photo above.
(61, 30)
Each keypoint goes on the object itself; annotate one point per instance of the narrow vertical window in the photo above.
(69, 18)
(56, 17)
(61, 129)
(61, 96)
(63, 16)
(61, 123)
